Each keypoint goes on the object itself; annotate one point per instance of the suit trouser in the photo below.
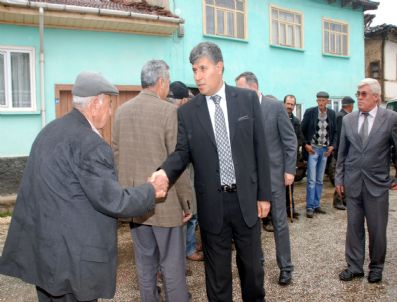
(160, 249)
(44, 296)
(375, 211)
(217, 250)
(281, 230)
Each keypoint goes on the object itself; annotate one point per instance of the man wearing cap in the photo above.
(144, 133)
(347, 107)
(319, 132)
(62, 236)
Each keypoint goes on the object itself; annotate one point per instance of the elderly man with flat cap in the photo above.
(319, 132)
(347, 107)
(62, 236)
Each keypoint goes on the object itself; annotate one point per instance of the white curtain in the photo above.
(20, 80)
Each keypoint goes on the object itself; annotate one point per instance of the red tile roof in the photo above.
(122, 5)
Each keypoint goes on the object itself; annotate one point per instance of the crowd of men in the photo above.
(225, 158)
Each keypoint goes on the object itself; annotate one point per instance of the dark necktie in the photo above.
(223, 145)
(364, 128)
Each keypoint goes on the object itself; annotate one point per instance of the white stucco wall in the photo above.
(390, 70)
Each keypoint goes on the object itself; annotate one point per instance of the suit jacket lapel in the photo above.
(376, 125)
(232, 111)
(354, 127)
(204, 117)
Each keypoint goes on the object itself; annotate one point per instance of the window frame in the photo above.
(337, 22)
(225, 25)
(7, 50)
(302, 32)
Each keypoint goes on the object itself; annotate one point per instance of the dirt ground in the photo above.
(317, 250)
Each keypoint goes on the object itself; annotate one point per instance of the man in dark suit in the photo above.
(347, 107)
(62, 236)
(319, 132)
(281, 136)
(289, 104)
(363, 176)
(221, 132)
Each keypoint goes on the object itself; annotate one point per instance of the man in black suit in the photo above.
(347, 107)
(221, 132)
(289, 104)
(319, 132)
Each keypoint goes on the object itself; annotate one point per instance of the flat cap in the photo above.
(92, 84)
(178, 90)
(322, 94)
(347, 100)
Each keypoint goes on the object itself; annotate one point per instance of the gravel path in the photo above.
(318, 256)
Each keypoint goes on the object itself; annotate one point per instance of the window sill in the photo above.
(335, 56)
(226, 38)
(288, 48)
(16, 112)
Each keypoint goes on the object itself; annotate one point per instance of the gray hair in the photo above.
(249, 77)
(206, 49)
(82, 102)
(152, 71)
(373, 85)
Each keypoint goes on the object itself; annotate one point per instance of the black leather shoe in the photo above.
(374, 277)
(340, 206)
(320, 211)
(285, 278)
(347, 275)
(309, 213)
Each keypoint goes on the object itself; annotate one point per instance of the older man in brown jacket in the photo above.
(144, 133)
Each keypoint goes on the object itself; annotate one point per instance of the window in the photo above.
(335, 38)
(286, 27)
(17, 85)
(335, 103)
(374, 70)
(225, 18)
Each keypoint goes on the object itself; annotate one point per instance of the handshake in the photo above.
(159, 181)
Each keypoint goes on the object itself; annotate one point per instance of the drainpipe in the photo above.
(42, 86)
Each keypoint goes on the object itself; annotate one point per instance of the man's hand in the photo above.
(340, 189)
(309, 149)
(329, 151)
(288, 179)
(159, 180)
(263, 208)
(186, 216)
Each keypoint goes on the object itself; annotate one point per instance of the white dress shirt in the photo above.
(371, 118)
(223, 104)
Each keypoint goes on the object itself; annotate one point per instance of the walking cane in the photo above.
(291, 211)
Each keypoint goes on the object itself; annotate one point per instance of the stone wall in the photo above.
(11, 169)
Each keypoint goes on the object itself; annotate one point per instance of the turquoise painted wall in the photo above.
(120, 58)
(282, 71)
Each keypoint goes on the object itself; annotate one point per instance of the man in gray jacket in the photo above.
(63, 233)
(363, 176)
(281, 140)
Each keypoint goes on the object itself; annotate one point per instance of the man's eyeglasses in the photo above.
(361, 93)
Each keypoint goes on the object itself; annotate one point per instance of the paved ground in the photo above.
(318, 255)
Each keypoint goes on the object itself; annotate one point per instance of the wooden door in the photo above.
(63, 103)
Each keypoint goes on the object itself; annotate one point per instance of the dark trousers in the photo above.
(373, 210)
(44, 296)
(287, 199)
(217, 250)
